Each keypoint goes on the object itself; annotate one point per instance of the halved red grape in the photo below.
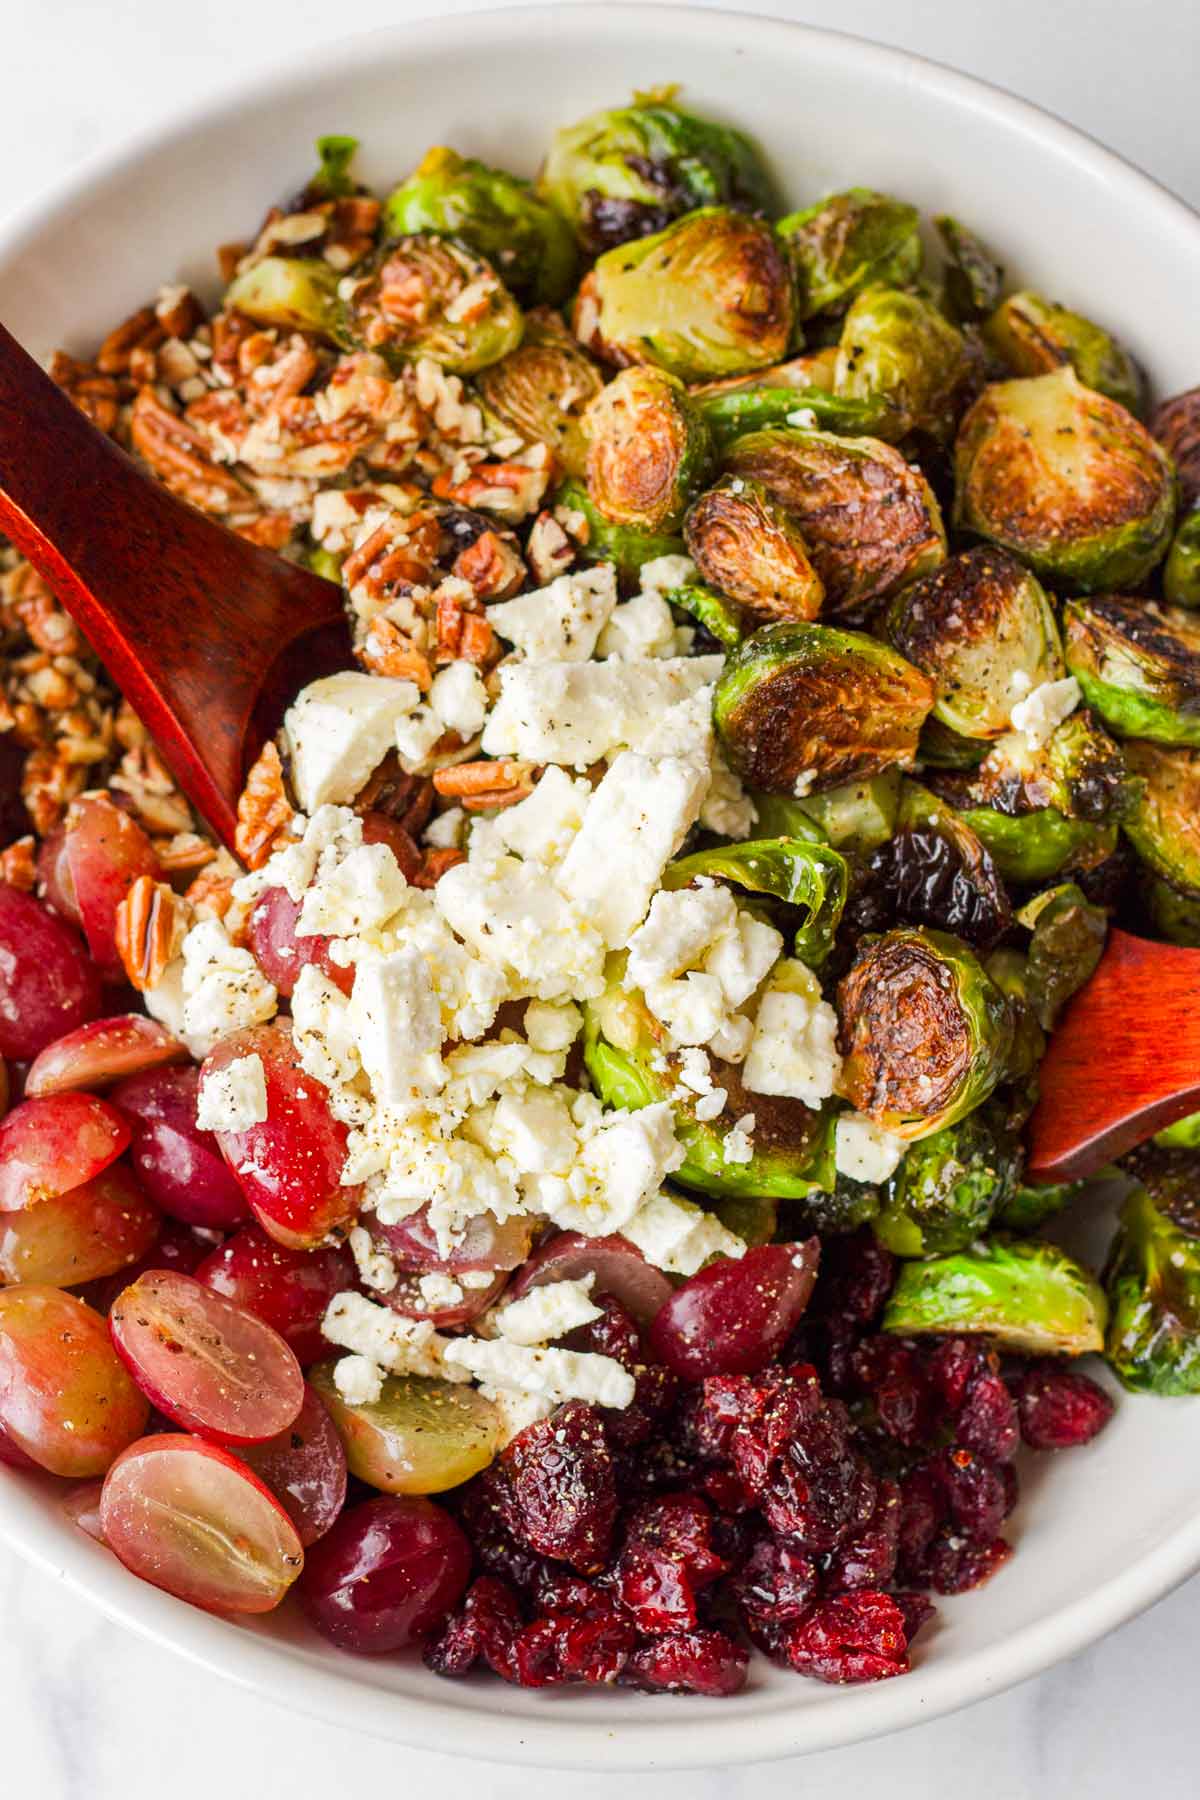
(101, 1226)
(305, 1469)
(205, 1362)
(280, 954)
(290, 1289)
(486, 1244)
(49, 1146)
(179, 1165)
(106, 852)
(175, 1246)
(407, 1299)
(386, 1575)
(620, 1270)
(5, 1087)
(290, 1166)
(189, 1517)
(421, 1436)
(381, 828)
(82, 1507)
(65, 1400)
(54, 875)
(733, 1317)
(12, 1453)
(48, 985)
(100, 1053)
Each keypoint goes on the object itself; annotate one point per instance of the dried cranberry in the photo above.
(561, 1496)
(952, 1564)
(918, 1609)
(954, 1363)
(482, 1509)
(667, 1559)
(867, 1558)
(727, 1491)
(988, 1420)
(560, 1647)
(777, 1585)
(975, 1492)
(656, 1391)
(857, 1275)
(482, 1629)
(923, 1509)
(689, 1662)
(853, 1637)
(891, 1373)
(612, 1334)
(1059, 1407)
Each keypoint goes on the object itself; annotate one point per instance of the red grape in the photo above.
(98, 1054)
(386, 1575)
(620, 1270)
(106, 851)
(48, 1147)
(205, 1362)
(305, 1468)
(280, 954)
(179, 1165)
(175, 1246)
(407, 1299)
(65, 1400)
(12, 1453)
(54, 875)
(734, 1317)
(189, 1517)
(101, 1226)
(486, 1244)
(290, 1289)
(48, 986)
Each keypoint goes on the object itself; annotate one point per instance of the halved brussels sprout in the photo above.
(629, 170)
(845, 242)
(869, 519)
(1181, 575)
(1162, 819)
(1037, 846)
(721, 618)
(795, 870)
(972, 277)
(935, 871)
(750, 547)
(899, 353)
(297, 293)
(628, 549)
(734, 412)
(1153, 1283)
(492, 212)
(1009, 969)
(333, 179)
(541, 390)
(925, 1032)
(1184, 1134)
(858, 816)
(803, 707)
(648, 450)
(983, 629)
(1138, 665)
(710, 295)
(1066, 479)
(1176, 425)
(1029, 1207)
(944, 1194)
(942, 748)
(425, 296)
(1069, 934)
(1173, 914)
(1032, 336)
(1030, 1296)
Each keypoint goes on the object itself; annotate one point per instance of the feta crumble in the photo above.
(339, 730)
(865, 1151)
(1038, 716)
(794, 1048)
(233, 1098)
(546, 1313)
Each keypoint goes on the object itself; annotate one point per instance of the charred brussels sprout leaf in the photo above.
(333, 179)
(296, 293)
(1028, 1295)
(1153, 1284)
(1173, 914)
(925, 1032)
(1032, 336)
(812, 876)
(870, 521)
(750, 548)
(1162, 821)
(810, 707)
(898, 353)
(847, 241)
(492, 212)
(857, 817)
(972, 277)
(541, 390)
(630, 170)
(648, 450)
(425, 296)
(1037, 846)
(1176, 425)
(1138, 665)
(1181, 576)
(734, 413)
(721, 618)
(710, 295)
(942, 748)
(1066, 479)
(983, 629)
(1029, 1207)
(945, 1193)
(628, 549)
(1009, 969)
(935, 871)
(1069, 934)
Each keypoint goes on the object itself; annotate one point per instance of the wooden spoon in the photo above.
(207, 635)
(1123, 1062)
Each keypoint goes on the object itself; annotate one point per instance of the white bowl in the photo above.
(1102, 1532)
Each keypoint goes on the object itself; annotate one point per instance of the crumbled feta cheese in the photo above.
(637, 820)
(678, 1236)
(641, 627)
(513, 917)
(555, 1375)
(732, 1040)
(691, 1007)
(439, 1292)
(331, 834)
(399, 1346)
(728, 809)
(552, 1025)
(794, 1048)
(737, 1146)
(224, 990)
(664, 572)
(459, 699)
(233, 1098)
(322, 1032)
(356, 894)
(447, 830)
(358, 1380)
(536, 1130)
(1040, 714)
(339, 730)
(547, 1313)
(865, 1151)
(415, 737)
(541, 828)
(576, 713)
(375, 1267)
(562, 622)
(397, 1024)
(164, 1001)
(518, 1411)
(679, 927)
(743, 957)
(624, 1158)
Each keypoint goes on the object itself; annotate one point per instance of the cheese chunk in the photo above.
(233, 1098)
(794, 1048)
(864, 1151)
(555, 1375)
(339, 730)
(576, 713)
(397, 1025)
(514, 918)
(361, 891)
(637, 819)
(561, 622)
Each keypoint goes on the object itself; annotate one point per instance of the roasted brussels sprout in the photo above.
(734, 412)
(942, 748)
(721, 618)
(1153, 1282)
(1181, 575)
(1033, 336)
(541, 390)
(1176, 425)
(803, 707)
(1030, 1296)
(870, 520)
(1173, 914)
(1009, 969)
(899, 353)
(710, 295)
(944, 1194)
(297, 293)
(1138, 665)
(844, 1206)
(983, 629)
(333, 179)
(858, 816)
(972, 277)
(423, 296)
(935, 871)
(924, 1031)
(494, 213)
(1028, 1207)
(648, 450)
(1068, 937)
(845, 242)
(630, 170)
(1066, 479)
(1037, 846)
(797, 871)
(1162, 819)
(1184, 1134)
(628, 549)
(750, 548)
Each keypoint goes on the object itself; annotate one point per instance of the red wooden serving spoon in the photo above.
(208, 636)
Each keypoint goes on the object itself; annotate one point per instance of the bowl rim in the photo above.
(703, 1735)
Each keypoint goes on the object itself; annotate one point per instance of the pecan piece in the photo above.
(264, 812)
(434, 864)
(486, 786)
(179, 456)
(392, 790)
(149, 920)
(491, 566)
(386, 651)
(49, 782)
(478, 643)
(142, 330)
(549, 549)
(95, 394)
(18, 867)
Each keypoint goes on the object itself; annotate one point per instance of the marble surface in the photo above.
(90, 1711)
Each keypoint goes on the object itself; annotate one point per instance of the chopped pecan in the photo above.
(148, 923)
(491, 565)
(48, 785)
(178, 311)
(18, 865)
(434, 864)
(487, 785)
(180, 457)
(392, 790)
(549, 549)
(400, 554)
(450, 619)
(228, 258)
(95, 394)
(143, 330)
(478, 643)
(184, 852)
(264, 812)
(509, 489)
(157, 802)
(211, 893)
(32, 605)
(386, 651)
(271, 530)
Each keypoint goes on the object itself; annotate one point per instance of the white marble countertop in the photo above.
(90, 1711)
